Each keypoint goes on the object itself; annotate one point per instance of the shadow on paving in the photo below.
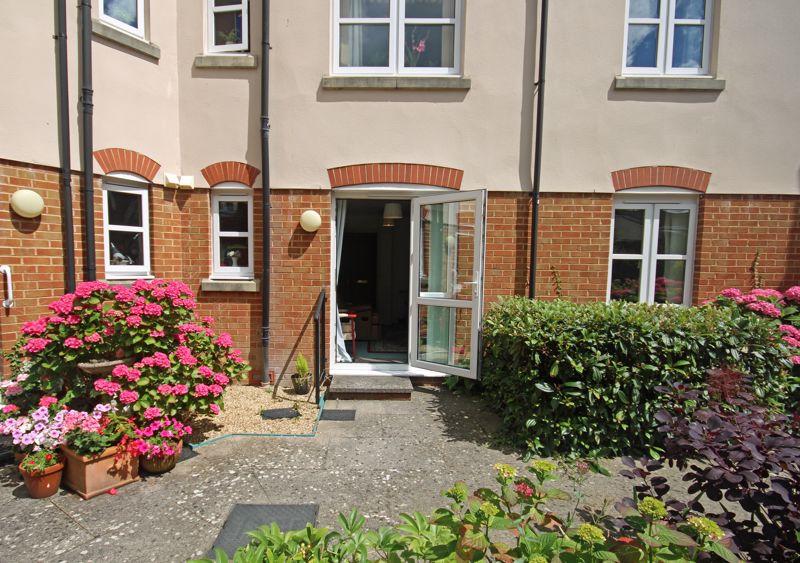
(466, 418)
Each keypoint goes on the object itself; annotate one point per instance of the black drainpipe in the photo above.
(265, 200)
(64, 146)
(85, 7)
(537, 159)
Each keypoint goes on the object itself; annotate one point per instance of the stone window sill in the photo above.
(243, 286)
(706, 83)
(111, 33)
(238, 60)
(396, 83)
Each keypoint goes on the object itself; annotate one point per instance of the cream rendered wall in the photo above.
(135, 97)
(746, 136)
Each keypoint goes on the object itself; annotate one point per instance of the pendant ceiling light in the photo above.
(392, 211)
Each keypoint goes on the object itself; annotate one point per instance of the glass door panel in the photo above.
(447, 260)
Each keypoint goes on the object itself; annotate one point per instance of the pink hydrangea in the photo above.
(151, 413)
(190, 327)
(85, 289)
(128, 397)
(746, 299)
(35, 345)
(180, 389)
(214, 408)
(153, 310)
(215, 389)
(72, 342)
(35, 327)
(93, 338)
(201, 390)
(64, 305)
(791, 341)
(793, 293)
(156, 333)
(164, 389)
(159, 359)
(792, 331)
(124, 294)
(72, 320)
(208, 320)
(221, 379)
(206, 372)
(524, 490)
(185, 356)
(225, 340)
(765, 308)
(107, 387)
(731, 293)
(47, 400)
(795, 360)
(133, 320)
(769, 293)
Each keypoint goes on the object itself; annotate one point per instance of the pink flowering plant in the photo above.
(783, 309)
(174, 359)
(160, 438)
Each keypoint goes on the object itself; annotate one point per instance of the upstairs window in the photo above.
(652, 250)
(228, 30)
(126, 230)
(127, 15)
(668, 37)
(232, 231)
(397, 36)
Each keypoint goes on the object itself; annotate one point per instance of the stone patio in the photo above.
(395, 457)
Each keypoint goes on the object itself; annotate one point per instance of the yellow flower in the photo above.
(707, 528)
(543, 466)
(505, 471)
(538, 559)
(457, 492)
(652, 508)
(489, 509)
(591, 534)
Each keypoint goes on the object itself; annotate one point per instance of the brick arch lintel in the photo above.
(230, 171)
(125, 160)
(669, 176)
(395, 173)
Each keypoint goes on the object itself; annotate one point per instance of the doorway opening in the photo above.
(372, 285)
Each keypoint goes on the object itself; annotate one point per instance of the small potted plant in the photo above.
(301, 380)
(42, 471)
(99, 454)
(160, 444)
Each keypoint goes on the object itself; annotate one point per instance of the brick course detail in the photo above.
(671, 176)
(125, 160)
(230, 171)
(395, 173)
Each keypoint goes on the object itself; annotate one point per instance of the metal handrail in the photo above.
(319, 342)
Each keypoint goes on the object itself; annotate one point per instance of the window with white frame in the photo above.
(668, 37)
(652, 251)
(126, 230)
(127, 15)
(232, 236)
(228, 29)
(397, 36)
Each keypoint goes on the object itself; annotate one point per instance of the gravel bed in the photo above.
(242, 414)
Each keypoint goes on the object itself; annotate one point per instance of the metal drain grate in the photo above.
(273, 414)
(245, 518)
(338, 414)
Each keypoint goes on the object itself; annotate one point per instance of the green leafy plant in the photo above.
(580, 379)
(301, 366)
(36, 462)
(506, 524)
(111, 430)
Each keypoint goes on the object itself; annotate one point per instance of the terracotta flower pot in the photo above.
(43, 484)
(158, 465)
(92, 476)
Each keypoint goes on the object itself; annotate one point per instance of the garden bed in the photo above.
(242, 414)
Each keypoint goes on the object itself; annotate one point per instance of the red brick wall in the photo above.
(574, 234)
(731, 229)
(574, 242)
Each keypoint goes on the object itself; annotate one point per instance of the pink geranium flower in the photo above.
(151, 413)
(8, 409)
(47, 400)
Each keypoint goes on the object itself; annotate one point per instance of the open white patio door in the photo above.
(447, 246)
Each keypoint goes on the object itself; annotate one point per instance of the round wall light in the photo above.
(310, 221)
(27, 203)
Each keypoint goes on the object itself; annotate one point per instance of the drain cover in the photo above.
(338, 414)
(245, 518)
(272, 414)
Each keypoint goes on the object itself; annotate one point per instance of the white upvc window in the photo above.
(667, 37)
(652, 250)
(228, 28)
(127, 15)
(232, 231)
(126, 231)
(397, 37)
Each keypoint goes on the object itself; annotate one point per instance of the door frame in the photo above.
(380, 192)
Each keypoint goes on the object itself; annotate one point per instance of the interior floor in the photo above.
(372, 279)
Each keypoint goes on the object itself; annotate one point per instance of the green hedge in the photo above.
(580, 379)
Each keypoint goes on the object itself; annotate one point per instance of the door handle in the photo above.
(8, 303)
